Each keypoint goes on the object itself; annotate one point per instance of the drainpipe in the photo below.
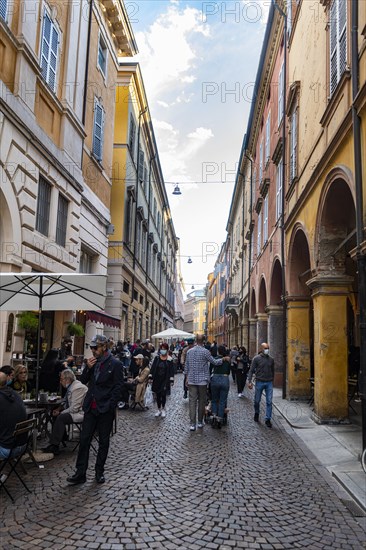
(250, 245)
(360, 256)
(283, 250)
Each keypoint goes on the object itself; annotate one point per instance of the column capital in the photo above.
(334, 285)
(274, 310)
(261, 317)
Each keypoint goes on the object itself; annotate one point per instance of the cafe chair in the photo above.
(78, 425)
(22, 437)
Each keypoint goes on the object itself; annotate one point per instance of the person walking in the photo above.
(263, 369)
(220, 385)
(162, 377)
(197, 371)
(104, 376)
(242, 368)
(183, 357)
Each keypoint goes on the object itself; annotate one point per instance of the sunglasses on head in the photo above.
(94, 347)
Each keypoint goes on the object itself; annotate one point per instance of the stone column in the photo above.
(298, 348)
(275, 341)
(245, 333)
(253, 350)
(262, 328)
(329, 294)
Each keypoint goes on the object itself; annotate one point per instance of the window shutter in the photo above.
(141, 165)
(260, 162)
(3, 9)
(280, 94)
(49, 52)
(268, 130)
(131, 141)
(342, 33)
(98, 130)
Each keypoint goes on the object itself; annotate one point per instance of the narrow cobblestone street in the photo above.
(245, 486)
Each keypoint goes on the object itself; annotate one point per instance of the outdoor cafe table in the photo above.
(43, 412)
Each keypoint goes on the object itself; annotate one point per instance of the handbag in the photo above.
(148, 399)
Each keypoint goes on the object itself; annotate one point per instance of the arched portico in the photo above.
(275, 321)
(262, 317)
(299, 317)
(333, 288)
(10, 258)
(253, 325)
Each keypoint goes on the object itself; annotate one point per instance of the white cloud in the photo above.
(167, 56)
(201, 134)
(163, 104)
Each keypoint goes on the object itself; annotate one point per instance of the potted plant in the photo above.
(28, 321)
(74, 329)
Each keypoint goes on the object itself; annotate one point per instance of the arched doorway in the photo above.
(275, 322)
(300, 348)
(333, 288)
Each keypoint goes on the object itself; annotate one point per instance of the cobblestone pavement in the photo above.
(244, 486)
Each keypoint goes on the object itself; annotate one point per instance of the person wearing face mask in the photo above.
(69, 411)
(162, 377)
(263, 369)
(104, 375)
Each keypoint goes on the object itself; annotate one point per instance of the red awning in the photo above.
(100, 317)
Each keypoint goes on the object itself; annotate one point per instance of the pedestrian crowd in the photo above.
(134, 376)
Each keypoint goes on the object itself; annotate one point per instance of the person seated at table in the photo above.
(12, 411)
(9, 371)
(69, 411)
(20, 380)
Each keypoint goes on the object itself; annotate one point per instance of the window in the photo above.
(145, 178)
(126, 287)
(102, 55)
(158, 222)
(98, 130)
(135, 295)
(154, 210)
(260, 162)
(293, 145)
(279, 190)
(141, 165)
(268, 139)
(265, 220)
(143, 248)
(153, 269)
(281, 91)
(338, 41)
(132, 135)
(253, 188)
(259, 234)
(49, 51)
(61, 224)
(128, 225)
(86, 262)
(3, 11)
(43, 206)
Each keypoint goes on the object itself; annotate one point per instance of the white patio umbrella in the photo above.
(172, 332)
(51, 292)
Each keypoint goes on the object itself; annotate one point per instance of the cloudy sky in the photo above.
(199, 62)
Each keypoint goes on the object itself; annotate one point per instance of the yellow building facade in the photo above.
(142, 250)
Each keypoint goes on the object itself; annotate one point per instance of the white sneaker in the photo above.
(163, 414)
(158, 413)
(192, 428)
(240, 395)
(200, 425)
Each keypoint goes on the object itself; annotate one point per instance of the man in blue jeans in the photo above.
(263, 369)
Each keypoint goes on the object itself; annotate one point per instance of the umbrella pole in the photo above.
(39, 337)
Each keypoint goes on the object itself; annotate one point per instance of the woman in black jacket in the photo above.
(162, 376)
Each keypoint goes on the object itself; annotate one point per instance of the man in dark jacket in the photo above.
(12, 411)
(104, 375)
(263, 368)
